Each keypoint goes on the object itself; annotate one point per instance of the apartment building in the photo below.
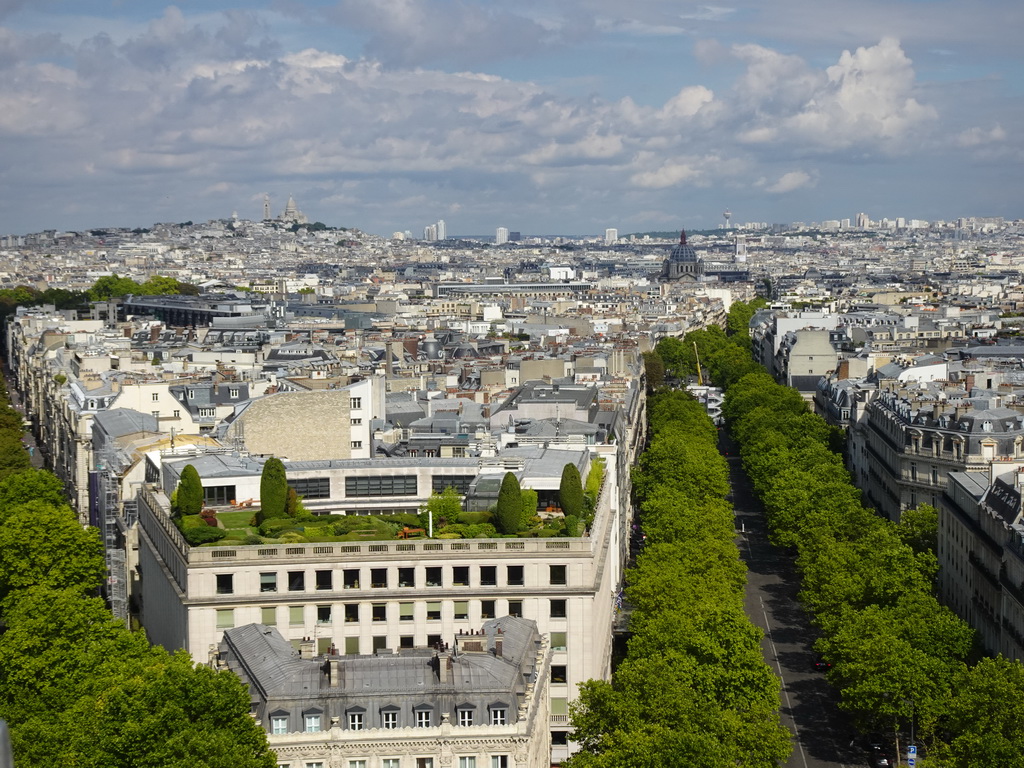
(480, 701)
(912, 436)
(981, 554)
(361, 597)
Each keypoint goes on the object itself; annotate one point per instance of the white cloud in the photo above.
(427, 32)
(687, 103)
(667, 175)
(976, 136)
(866, 99)
(790, 182)
(178, 109)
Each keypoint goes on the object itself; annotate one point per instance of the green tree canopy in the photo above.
(30, 485)
(508, 514)
(570, 491)
(78, 688)
(110, 286)
(654, 370)
(444, 507)
(677, 358)
(44, 545)
(984, 716)
(273, 490)
(189, 493)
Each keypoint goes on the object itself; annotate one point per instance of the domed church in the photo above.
(682, 263)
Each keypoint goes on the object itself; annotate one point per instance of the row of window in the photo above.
(378, 612)
(354, 645)
(496, 761)
(402, 485)
(232, 393)
(381, 578)
(390, 718)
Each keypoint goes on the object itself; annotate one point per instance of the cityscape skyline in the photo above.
(578, 118)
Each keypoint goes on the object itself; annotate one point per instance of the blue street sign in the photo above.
(911, 756)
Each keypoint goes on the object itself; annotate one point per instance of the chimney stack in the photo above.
(444, 666)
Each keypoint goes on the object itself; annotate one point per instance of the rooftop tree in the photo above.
(508, 515)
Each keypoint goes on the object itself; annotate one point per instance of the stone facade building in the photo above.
(480, 701)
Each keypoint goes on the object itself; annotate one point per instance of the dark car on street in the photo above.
(878, 756)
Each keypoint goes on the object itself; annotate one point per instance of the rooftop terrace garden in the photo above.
(515, 515)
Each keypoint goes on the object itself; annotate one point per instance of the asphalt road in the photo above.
(28, 440)
(822, 734)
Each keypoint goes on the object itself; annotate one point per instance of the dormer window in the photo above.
(279, 723)
(311, 721)
(233, 393)
(499, 713)
(466, 714)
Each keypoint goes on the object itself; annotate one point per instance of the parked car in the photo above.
(878, 757)
(821, 664)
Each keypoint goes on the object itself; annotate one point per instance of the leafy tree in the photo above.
(79, 688)
(110, 286)
(444, 507)
(167, 712)
(654, 370)
(676, 461)
(570, 491)
(30, 485)
(984, 716)
(44, 545)
(273, 490)
(292, 503)
(189, 492)
(919, 528)
(508, 515)
(738, 322)
(530, 500)
(673, 352)
(13, 456)
(55, 641)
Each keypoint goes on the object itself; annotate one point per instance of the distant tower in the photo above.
(442, 230)
(266, 207)
(727, 215)
(611, 235)
(501, 236)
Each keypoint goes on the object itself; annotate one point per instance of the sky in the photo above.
(545, 117)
